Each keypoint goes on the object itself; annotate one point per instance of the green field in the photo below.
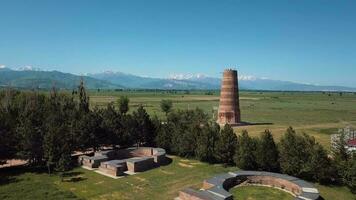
(258, 192)
(317, 114)
(160, 183)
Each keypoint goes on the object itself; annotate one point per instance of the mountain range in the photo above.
(35, 78)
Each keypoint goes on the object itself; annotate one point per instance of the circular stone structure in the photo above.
(216, 188)
(124, 161)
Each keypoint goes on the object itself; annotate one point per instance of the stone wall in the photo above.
(218, 186)
(275, 182)
(116, 162)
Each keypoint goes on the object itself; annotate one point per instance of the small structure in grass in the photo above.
(124, 161)
(216, 188)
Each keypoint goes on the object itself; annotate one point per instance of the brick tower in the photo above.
(229, 108)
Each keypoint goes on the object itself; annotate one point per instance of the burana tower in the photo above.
(229, 108)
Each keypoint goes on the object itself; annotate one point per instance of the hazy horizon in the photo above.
(300, 41)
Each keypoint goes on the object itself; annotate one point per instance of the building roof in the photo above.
(351, 142)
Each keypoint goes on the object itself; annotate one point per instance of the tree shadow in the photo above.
(70, 174)
(4, 180)
(252, 124)
(75, 179)
(167, 161)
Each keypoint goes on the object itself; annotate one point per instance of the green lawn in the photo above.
(160, 183)
(259, 193)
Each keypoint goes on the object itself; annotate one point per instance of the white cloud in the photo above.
(2, 66)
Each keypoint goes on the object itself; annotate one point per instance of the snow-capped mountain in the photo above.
(29, 77)
(28, 68)
(201, 81)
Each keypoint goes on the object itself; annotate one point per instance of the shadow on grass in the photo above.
(8, 175)
(69, 174)
(75, 179)
(4, 180)
(167, 161)
(252, 124)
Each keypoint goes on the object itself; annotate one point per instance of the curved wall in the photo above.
(217, 187)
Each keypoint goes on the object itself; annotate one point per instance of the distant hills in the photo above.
(204, 82)
(36, 78)
(31, 79)
(133, 81)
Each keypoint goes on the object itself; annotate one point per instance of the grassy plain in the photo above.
(316, 113)
(258, 192)
(161, 183)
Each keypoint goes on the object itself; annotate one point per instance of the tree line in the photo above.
(46, 129)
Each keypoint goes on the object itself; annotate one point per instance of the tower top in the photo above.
(230, 69)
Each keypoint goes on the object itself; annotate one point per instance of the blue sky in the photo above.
(304, 41)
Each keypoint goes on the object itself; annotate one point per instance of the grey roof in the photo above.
(219, 179)
(115, 162)
(220, 192)
(98, 157)
(247, 173)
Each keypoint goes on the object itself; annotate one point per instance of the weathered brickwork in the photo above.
(217, 187)
(229, 108)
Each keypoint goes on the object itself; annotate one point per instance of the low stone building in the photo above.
(117, 162)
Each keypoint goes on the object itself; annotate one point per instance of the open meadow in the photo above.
(318, 114)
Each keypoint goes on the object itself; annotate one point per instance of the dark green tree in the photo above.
(267, 154)
(8, 138)
(319, 167)
(349, 176)
(166, 106)
(10, 108)
(31, 129)
(123, 104)
(293, 153)
(184, 126)
(64, 162)
(83, 98)
(144, 133)
(206, 139)
(163, 134)
(226, 145)
(112, 125)
(301, 156)
(245, 152)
